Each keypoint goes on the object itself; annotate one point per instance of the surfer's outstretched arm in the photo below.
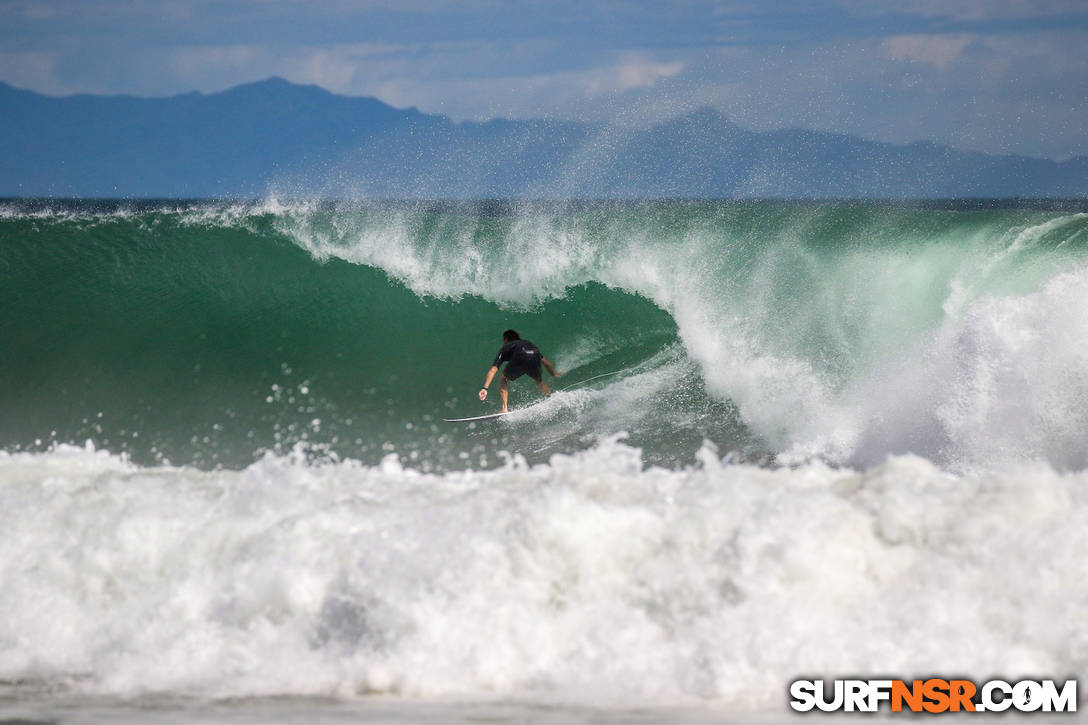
(487, 381)
(550, 368)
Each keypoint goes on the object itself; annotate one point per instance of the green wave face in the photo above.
(208, 333)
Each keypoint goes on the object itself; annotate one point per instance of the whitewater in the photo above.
(817, 439)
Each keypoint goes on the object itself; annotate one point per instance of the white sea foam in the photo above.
(587, 576)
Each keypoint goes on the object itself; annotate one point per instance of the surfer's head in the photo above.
(510, 336)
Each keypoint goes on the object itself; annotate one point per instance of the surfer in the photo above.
(522, 358)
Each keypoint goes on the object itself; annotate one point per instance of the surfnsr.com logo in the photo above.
(934, 695)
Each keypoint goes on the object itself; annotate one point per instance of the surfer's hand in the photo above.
(483, 393)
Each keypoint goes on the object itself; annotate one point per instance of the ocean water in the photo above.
(790, 439)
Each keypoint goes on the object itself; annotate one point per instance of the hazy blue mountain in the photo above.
(278, 137)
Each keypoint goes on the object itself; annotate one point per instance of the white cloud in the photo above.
(970, 10)
(638, 71)
(563, 93)
(940, 51)
(345, 68)
(196, 61)
(31, 69)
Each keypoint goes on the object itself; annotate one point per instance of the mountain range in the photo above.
(275, 137)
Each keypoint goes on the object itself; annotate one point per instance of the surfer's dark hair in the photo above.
(510, 336)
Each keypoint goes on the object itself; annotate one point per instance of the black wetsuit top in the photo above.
(522, 357)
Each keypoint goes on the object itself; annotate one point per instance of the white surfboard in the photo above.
(492, 416)
(478, 417)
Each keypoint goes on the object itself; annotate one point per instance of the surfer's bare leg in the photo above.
(503, 391)
(543, 388)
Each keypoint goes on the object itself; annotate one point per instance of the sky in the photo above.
(999, 76)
